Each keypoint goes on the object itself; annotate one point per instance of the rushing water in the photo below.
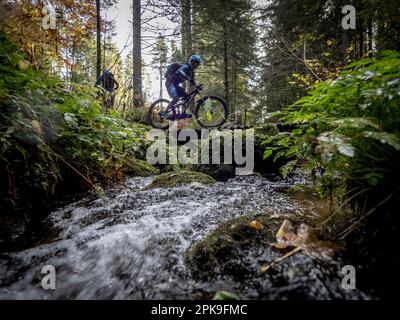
(129, 244)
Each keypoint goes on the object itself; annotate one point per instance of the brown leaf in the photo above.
(286, 232)
(256, 225)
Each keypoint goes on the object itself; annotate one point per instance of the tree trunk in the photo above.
(360, 28)
(98, 27)
(226, 68)
(137, 53)
(104, 42)
(370, 38)
(74, 64)
(234, 104)
(345, 38)
(186, 28)
(161, 80)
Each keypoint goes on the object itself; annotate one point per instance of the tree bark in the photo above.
(98, 34)
(360, 28)
(186, 28)
(137, 53)
(370, 38)
(345, 36)
(226, 68)
(234, 71)
(161, 79)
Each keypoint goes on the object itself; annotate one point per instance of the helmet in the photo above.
(195, 58)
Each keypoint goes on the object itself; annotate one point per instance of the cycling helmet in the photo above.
(195, 58)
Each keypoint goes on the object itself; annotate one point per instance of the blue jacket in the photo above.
(184, 73)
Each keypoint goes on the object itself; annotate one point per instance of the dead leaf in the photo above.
(286, 232)
(303, 240)
(256, 225)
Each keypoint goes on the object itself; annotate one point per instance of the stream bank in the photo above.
(133, 243)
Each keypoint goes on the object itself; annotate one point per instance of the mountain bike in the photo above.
(210, 111)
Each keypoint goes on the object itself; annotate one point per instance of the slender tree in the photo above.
(98, 37)
(137, 53)
(160, 60)
(186, 28)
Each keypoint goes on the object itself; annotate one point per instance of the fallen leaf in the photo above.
(286, 232)
(256, 225)
(303, 240)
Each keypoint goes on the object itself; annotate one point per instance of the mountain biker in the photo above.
(177, 74)
(108, 82)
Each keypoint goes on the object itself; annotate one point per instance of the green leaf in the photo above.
(384, 138)
(267, 153)
(225, 295)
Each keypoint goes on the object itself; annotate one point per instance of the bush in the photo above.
(350, 128)
(50, 134)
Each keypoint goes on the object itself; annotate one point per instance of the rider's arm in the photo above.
(184, 73)
(193, 81)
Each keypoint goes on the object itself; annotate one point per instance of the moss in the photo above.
(220, 172)
(172, 179)
(140, 168)
(138, 115)
(219, 250)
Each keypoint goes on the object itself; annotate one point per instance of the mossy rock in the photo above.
(138, 115)
(222, 250)
(220, 172)
(172, 179)
(140, 168)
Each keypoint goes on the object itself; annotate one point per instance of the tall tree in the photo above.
(98, 41)
(160, 60)
(137, 53)
(186, 28)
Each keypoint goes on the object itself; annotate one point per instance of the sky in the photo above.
(121, 14)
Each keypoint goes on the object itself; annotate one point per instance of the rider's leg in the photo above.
(172, 89)
(182, 93)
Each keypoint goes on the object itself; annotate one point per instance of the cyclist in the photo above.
(177, 74)
(109, 84)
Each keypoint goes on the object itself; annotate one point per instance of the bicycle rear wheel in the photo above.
(155, 117)
(211, 112)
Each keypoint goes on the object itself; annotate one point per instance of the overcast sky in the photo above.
(121, 14)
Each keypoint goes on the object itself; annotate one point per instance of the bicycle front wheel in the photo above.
(211, 112)
(156, 115)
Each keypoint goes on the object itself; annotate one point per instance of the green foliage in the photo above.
(48, 132)
(350, 127)
(225, 295)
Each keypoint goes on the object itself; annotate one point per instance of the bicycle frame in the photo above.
(175, 108)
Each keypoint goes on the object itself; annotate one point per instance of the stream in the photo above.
(130, 244)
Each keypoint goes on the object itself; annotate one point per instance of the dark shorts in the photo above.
(174, 89)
